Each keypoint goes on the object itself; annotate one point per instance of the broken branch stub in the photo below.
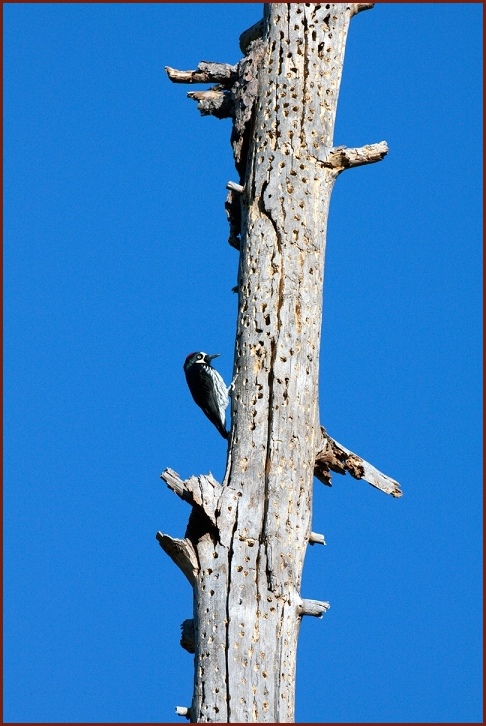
(188, 636)
(359, 7)
(201, 491)
(332, 456)
(182, 553)
(341, 157)
(206, 72)
(316, 608)
(213, 102)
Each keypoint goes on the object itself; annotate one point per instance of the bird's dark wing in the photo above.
(203, 392)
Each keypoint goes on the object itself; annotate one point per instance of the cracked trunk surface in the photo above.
(247, 593)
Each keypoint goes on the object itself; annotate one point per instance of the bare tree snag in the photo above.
(246, 539)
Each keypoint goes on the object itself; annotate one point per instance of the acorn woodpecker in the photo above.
(207, 388)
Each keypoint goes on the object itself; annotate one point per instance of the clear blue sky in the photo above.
(117, 266)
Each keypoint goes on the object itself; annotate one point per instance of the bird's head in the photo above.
(200, 357)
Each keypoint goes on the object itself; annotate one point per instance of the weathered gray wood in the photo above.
(182, 552)
(359, 7)
(275, 415)
(213, 102)
(332, 456)
(201, 491)
(183, 711)
(316, 608)
(234, 187)
(250, 535)
(342, 158)
(316, 538)
(206, 72)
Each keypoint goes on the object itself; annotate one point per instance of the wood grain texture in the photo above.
(246, 539)
(275, 433)
(206, 72)
(333, 456)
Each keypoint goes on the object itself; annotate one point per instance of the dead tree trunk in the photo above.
(245, 544)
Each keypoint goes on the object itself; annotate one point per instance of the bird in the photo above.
(208, 388)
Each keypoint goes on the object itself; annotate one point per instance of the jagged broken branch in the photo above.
(359, 7)
(182, 552)
(342, 157)
(213, 102)
(332, 456)
(202, 491)
(206, 72)
(316, 538)
(316, 608)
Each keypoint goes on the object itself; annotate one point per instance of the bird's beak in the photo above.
(209, 358)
